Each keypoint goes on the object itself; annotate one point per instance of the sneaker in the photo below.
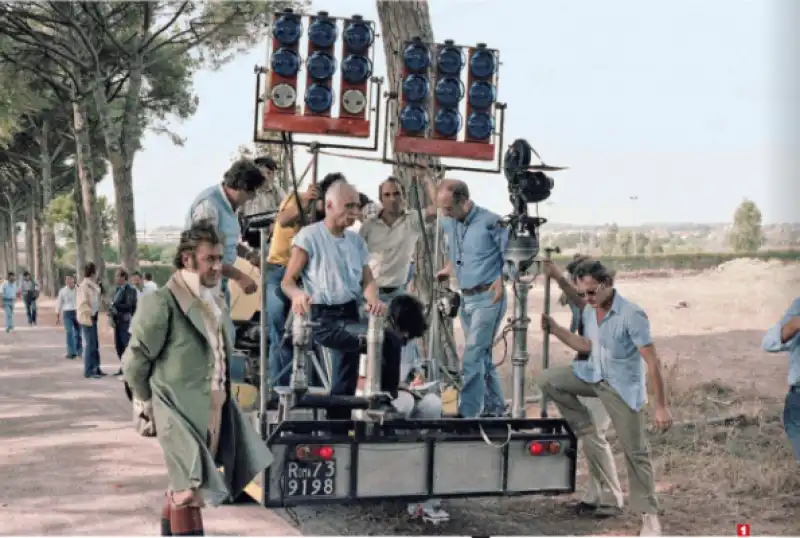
(651, 526)
(429, 511)
(99, 373)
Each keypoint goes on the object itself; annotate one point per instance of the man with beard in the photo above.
(177, 368)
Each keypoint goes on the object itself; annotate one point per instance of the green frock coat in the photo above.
(169, 360)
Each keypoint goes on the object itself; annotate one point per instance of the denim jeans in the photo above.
(345, 347)
(8, 308)
(791, 420)
(73, 331)
(481, 392)
(122, 335)
(278, 306)
(91, 349)
(30, 310)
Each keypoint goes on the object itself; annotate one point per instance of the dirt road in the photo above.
(71, 462)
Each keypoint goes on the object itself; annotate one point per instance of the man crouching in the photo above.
(177, 367)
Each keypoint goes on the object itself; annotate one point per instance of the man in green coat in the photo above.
(177, 368)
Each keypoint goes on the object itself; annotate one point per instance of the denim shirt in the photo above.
(476, 247)
(334, 272)
(772, 342)
(615, 356)
(212, 204)
(9, 291)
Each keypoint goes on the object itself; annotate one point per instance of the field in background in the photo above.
(623, 264)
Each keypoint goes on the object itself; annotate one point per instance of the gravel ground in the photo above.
(73, 465)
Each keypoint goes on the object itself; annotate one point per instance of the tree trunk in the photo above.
(79, 225)
(30, 248)
(48, 276)
(94, 236)
(12, 219)
(401, 22)
(121, 150)
(4, 245)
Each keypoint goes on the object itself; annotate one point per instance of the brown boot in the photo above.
(166, 510)
(186, 521)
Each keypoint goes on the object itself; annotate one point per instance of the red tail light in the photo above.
(541, 448)
(315, 452)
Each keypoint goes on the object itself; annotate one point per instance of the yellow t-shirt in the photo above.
(280, 246)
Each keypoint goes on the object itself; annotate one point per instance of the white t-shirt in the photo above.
(391, 248)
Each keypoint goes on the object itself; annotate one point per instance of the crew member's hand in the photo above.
(662, 418)
(253, 258)
(551, 270)
(301, 304)
(310, 195)
(247, 284)
(376, 308)
(499, 290)
(442, 275)
(548, 323)
(58, 319)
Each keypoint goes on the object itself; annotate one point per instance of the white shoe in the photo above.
(429, 511)
(651, 526)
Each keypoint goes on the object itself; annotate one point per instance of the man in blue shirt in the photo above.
(603, 495)
(616, 338)
(475, 247)
(332, 262)
(9, 291)
(785, 336)
(218, 205)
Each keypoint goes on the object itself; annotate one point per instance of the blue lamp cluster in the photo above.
(358, 36)
(448, 91)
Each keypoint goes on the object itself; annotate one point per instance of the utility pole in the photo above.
(633, 214)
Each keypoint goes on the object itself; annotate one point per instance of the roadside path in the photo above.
(70, 461)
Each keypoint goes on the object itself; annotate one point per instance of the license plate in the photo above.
(310, 479)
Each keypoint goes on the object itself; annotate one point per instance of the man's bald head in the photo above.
(452, 197)
(342, 204)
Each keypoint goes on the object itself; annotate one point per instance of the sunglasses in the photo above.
(594, 292)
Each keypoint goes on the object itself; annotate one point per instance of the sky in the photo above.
(666, 101)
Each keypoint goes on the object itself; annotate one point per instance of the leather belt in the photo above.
(476, 290)
(388, 291)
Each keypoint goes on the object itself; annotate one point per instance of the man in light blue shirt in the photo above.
(603, 495)
(218, 205)
(475, 247)
(332, 262)
(785, 336)
(617, 339)
(9, 290)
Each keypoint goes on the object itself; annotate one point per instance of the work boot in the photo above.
(651, 526)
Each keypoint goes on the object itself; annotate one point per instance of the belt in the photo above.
(387, 291)
(476, 290)
(343, 309)
(795, 389)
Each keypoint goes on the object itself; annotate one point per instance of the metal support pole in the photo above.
(434, 337)
(301, 333)
(372, 379)
(265, 383)
(548, 252)
(519, 355)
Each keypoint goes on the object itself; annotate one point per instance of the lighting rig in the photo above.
(321, 46)
(441, 84)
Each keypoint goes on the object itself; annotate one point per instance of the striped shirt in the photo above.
(615, 356)
(772, 342)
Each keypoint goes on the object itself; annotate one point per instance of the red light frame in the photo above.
(435, 145)
(292, 120)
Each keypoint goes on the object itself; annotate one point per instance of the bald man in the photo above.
(332, 262)
(475, 244)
